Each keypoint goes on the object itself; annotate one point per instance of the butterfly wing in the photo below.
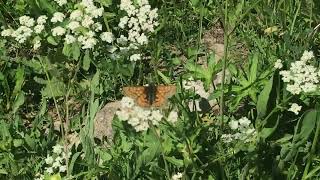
(138, 94)
(163, 93)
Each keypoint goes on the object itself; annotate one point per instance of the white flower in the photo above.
(26, 21)
(294, 88)
(64, 156)
(173, 117)
(123, 22)
(156, 117)
(22, 33)
(142, 2)
(49, 160)
(234, 124)
(295, 108)
(176, 176)
(96, 12)
(36, 44)
(40, 178)
(286, 76)
(58, 31)
(250, 131)
(97, 26)
(7, 32)
(87, 21)
(57, 149)
(122, 40)
(307, 55)
(42, 19)
(57, 17)
(135, 57)
(122, 115)
(49, 170)
(89, 43)
(244, 122)
(127, 102)
(278, 64)
(226, 138)
(134, 121)
(76, 15)
(107, 36)
(59, 159)
(73, 25)
(69, 39)
(38, 28)
(56, 164)
(63, 168)
(87, 3)
(142, 39)
(308, 87)
(143, 126)
(61, 2)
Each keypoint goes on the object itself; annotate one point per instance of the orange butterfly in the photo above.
(150, 96)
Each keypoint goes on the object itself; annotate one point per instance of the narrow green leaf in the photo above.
(253, 68)
(51, 40)
(164, 77)
(175, 161)
(262, 104)
(86, 61)
(19, 81)
(18, 102)
(72, 162)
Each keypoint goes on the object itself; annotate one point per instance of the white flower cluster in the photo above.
(82, 26)
(140, 19)
(141, 118)
(176, 176)
(61, 2)
(242, 131)
(302, 77)
(27, 28)
(56, 162)
(295, 108)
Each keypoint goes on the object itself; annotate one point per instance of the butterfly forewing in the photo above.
(140, 94)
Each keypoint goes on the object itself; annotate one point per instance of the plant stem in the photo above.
(226, 37)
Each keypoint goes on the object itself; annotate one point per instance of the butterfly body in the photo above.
(150, 96)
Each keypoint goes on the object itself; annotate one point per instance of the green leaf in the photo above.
(262, 104)
(106, 3)
(17, 142)
(164, 77)
(308, 124)
(19, 81)
(86, 61)
(51, 40)
(30, 141)
(18, 102)
(1, 76)
(177, 162)
(45, 5)
(253, 68)
(75, 51)
(266, 132)
(67, 50)
(54, 88)
(72, 162)
(95, 80)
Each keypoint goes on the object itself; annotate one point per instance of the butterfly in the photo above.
(151, 95)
